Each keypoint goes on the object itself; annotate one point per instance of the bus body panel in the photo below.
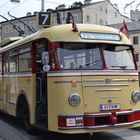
(98, 90)
(12, 87)
(59, 90)
(94, 91)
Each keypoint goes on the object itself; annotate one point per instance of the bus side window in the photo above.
(13, 61)
(5, 63)
(0, 64)
(24, 57)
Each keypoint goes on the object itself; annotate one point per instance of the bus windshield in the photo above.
(119, 57)
(94, 56)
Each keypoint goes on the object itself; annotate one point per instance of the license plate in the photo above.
(104, 107)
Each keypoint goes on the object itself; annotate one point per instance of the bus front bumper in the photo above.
(99, 120)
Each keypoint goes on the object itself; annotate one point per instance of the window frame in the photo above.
(17, 54)
(135, 40)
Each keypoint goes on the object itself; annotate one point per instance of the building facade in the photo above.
(7, 29)
(102, 13)
(135, 15)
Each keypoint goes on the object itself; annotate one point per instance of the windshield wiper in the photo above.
(88, 63)
(122, 67)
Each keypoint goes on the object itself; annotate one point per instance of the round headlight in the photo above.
(136, 96)
(74, 99)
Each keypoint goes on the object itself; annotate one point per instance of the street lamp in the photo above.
(42, 5)
(15, 0)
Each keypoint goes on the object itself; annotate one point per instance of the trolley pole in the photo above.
(42, 5)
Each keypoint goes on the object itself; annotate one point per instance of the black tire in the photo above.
(28, 127)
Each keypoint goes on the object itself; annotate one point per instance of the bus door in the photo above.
(41, 82)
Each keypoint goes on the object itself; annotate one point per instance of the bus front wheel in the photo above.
(29, 128)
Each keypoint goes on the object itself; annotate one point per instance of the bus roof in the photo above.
(64, 33)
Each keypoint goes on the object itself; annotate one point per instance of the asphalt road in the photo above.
(11, 130)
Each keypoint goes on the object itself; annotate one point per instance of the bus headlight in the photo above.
(74, 99)
(136, 96)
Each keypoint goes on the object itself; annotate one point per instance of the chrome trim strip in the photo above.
(11, 102)
(111, 126)
(70, 128)
(66, 81)
(117, 89)
(97, 114)
(104, 85)
(94, 80)
(74, 115)
(109, 73)
(88, 73)
(118, 113)
(113, 80)
(17, 75)
(123, 80)
(97, 127)
(128, 112)
(64, 74)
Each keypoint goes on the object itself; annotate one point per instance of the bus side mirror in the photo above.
(45, 61)
(45, 58)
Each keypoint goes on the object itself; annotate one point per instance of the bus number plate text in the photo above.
(104, 107)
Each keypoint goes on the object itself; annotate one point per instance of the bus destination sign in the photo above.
(100, 36)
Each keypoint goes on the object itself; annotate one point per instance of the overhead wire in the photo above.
(4, 4)
(18, 5)
(14, 7)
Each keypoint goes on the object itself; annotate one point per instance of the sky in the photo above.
(25, 6)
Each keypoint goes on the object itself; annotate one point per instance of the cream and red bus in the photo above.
(71, 81)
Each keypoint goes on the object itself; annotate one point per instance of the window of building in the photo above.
(135, 40)
(137, 57)
(10, 28)
(88, 19)
(101, 22)
(32, 24)
(6, 29)
(101, 9)
(106, 11)
(115, 14)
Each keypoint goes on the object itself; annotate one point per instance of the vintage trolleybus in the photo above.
(71, 81)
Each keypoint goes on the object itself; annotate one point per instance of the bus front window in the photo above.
(79, 56)
(119, 57)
